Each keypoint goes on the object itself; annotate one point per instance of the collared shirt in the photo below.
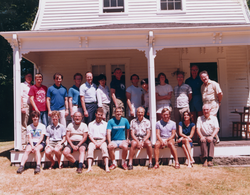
(89, 92)
(163, 90)
(103, 95)
(166, 128)
(120, 89)
(56, 133)
(181, 95)
(210, 91)
(140, 128)
(195, 84)
(25, 88)
(98, 130)
(75, 95)
(207, 125)
(77, 131)
(57, 97)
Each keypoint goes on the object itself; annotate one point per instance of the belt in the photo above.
(97, 138)
(90, 102)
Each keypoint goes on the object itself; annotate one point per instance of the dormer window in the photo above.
(171, 5)
(110, 6)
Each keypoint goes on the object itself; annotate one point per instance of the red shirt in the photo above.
(39, 94)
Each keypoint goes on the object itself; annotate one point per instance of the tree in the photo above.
(15, 15)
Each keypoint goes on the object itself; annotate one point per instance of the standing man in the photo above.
(134, 96)
(183, 95)
(74, 96)
(25, 105)
(116, 136)
(57, 99)
(97, 136)
(211, 94)
(103, 97)
(37, 95)
(207, 129)
(140, 133)
(118, 92)
(88, 98)
(76, 136)
(195, 83)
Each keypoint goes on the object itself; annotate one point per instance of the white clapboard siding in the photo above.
(238, 88)
(61, 14)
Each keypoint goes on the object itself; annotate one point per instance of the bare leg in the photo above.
(189, 151)
(149, 150)
(38, 154)
(132, 152)
(26, 155)
(48, 153)
(58, 153)
(124, 147)
(157, 152)
(173, 151)
(68, 155)
(111, 149)
(186, 151)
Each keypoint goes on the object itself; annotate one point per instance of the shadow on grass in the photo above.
(6, 153)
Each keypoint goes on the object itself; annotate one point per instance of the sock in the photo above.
(123, 161)
(75, 163)
(80, 165)
(21, 166)
(114, 162)
(38, 166)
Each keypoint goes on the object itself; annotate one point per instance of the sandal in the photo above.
(177, 166)
(156, 166)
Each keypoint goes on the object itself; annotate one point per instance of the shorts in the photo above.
(196, 104)
(118, 142)
(42, 143)
(54, 143)
(180, 144)
(75, 143)
(161, 106)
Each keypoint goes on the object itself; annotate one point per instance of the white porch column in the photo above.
(151, 80)
(17, 93)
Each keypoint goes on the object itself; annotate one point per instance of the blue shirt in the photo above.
(118, 128)
(75, 94)
(195, 84)
(89, 92)
(120, 89)
(186, 130)
(57, 97)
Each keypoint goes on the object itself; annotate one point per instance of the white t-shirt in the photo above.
(136, 93)
(76, 131)
(98, 130)
(36, 132)
(163, 90)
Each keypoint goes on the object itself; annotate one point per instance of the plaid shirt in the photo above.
(140, 128)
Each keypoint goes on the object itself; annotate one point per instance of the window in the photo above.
(171, 5)
(96, 71)
(110, 6)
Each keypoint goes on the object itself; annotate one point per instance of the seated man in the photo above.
(116, 136)
(207, 129)
(97, 136)
(165, 133)
(140, 133)
(35, 132)
(76, 136)
(55, 138)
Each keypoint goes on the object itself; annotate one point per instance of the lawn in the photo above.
(166, 180)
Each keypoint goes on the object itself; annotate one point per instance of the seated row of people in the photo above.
(115, 134)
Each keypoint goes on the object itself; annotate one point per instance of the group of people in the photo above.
(92, 126)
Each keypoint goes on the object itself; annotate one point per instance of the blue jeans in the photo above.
(44, 118)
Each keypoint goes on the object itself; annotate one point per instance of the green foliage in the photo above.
(15, 15)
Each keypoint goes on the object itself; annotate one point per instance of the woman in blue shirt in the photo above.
(186, 132)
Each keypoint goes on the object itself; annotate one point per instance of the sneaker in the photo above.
(150, 166)
(124, 166)
(37, 170)
(79, 170)
(112, 167)
(20, 170)
(130, 167)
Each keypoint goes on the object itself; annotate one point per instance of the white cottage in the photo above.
(142, 37)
